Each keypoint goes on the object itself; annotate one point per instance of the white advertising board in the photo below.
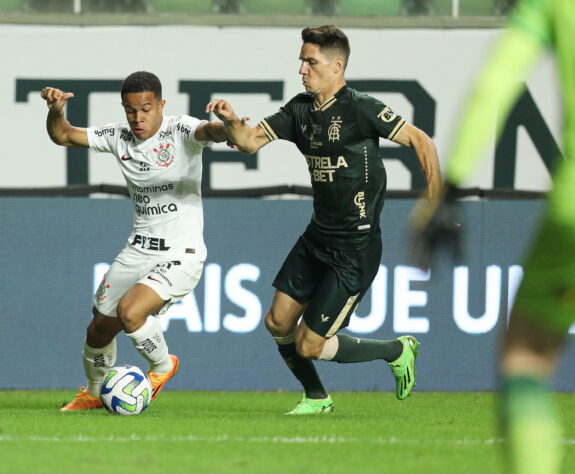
(423, 74)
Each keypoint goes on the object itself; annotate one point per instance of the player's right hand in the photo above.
(55, 98)
(435, 225)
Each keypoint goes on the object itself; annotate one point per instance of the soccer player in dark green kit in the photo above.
(544, 308)
(334, 262)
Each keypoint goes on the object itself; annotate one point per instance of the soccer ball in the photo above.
(126, 390)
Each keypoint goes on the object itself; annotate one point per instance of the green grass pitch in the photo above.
(246, 432)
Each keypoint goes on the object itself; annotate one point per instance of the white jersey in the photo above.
(163, 174)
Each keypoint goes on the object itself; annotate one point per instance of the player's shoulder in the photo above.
(360, 98)
(183, 125)
(109, 128)
(119, 130)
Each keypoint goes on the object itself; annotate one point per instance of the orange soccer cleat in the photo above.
(159, 380)
(83, 401)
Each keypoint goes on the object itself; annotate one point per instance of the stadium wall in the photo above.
(55, 251)
(423, 74)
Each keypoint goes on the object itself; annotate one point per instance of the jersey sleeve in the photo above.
(281, 124)
(105, 138)
(534, 17)
(377, 119)
(186, 127)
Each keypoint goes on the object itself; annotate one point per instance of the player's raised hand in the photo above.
(435, 225)
(222, 109)
(55, 98)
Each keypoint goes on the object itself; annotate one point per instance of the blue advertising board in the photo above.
(55, 250)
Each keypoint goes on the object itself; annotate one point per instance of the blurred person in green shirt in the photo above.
(544, 308)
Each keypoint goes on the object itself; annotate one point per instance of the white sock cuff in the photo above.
(329, 349)
(284, 340)
(151, 324)
(100, 350)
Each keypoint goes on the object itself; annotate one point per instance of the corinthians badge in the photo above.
(164, 156)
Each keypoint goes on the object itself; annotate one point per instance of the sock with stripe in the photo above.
(353, 349)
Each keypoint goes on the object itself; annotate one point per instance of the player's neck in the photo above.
(322, 96)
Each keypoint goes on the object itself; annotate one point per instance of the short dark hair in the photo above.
(142, 81)
(328, 37)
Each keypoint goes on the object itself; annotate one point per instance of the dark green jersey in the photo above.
(340, 141)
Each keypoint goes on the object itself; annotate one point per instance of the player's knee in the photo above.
(308, 350)
(128, 316)
(273, 325)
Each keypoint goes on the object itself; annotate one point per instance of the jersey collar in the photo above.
(329, 102)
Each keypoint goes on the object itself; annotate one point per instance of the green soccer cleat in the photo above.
(311, 406)
(403, 368)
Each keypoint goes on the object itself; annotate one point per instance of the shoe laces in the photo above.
(155, 379)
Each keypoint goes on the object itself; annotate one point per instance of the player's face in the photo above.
(316, 68)
(144, 113)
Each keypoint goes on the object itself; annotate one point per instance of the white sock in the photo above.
(97, 361)
(149, 341)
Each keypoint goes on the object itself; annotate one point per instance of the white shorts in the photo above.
(171, 277)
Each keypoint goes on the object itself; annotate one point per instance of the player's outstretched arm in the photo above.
(211, 132)
(492, 99)
(60, 130)
(496, 90)
(426, 153)
(247, 139)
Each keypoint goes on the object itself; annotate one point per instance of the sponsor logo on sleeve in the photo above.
(184, 129)
(386, 115)
(100, 132)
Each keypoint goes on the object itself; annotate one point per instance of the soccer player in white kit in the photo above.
(161, 160)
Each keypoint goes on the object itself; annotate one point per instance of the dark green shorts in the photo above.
(330, 281)
(547, 291)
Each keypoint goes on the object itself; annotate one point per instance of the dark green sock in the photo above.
(304, 371)
(531, 425)
(353, 349)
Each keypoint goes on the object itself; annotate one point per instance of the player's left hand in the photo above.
(434, 225)
(222, 109)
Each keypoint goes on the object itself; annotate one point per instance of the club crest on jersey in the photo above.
(164, 156)
(333, 130)
(101, 293)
